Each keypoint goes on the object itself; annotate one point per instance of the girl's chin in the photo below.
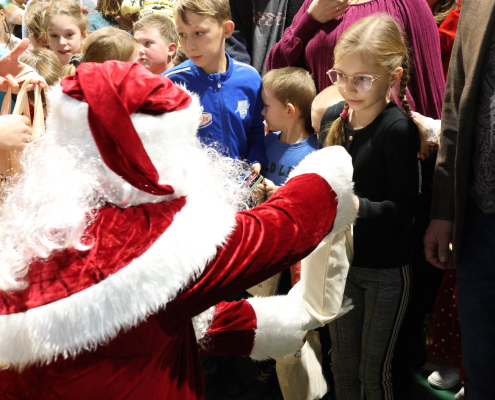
(64, 57)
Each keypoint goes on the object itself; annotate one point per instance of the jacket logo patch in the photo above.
(206, 120)
(242, 108)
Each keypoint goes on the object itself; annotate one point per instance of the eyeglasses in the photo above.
(361, 82)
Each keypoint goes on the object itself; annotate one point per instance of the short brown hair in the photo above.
(108, 7)
(292, 85)
(162, 23)
(219, 10)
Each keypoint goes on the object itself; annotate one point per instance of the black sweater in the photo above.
(386, 180)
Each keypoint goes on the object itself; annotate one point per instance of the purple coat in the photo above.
(309, 44)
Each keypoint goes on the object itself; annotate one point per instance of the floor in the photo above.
(420, 388)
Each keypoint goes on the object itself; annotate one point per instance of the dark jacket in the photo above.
(453, 168)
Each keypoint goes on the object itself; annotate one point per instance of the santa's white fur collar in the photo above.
(126, 298)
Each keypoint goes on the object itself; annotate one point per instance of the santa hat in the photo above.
(113, 91)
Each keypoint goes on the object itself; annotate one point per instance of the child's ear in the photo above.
(85, 34)
(396, 76)
(228, 29)
(172, 48)
(291, 110)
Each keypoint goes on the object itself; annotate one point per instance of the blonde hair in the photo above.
(46, 64)
(382, 40)
(327, 98)
(105, 44)
(219, 10)
(69, 8)
(34, 18)
(108, 7)
(162, 23)
(292, 85)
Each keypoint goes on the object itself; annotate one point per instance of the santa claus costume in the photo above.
(120, 241)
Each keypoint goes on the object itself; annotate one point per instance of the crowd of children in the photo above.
(273, 122)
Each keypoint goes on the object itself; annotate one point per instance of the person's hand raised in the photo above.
(9, 64)
(326, 10)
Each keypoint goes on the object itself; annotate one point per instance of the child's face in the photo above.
(274, 111)
(362, 100)
(65, 37)
(154, 54)
(204, 40)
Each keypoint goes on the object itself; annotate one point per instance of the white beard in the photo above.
(66, 181)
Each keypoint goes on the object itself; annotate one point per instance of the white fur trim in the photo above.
(202, 322)
(126, 298)
(334, 164)
(282, 322)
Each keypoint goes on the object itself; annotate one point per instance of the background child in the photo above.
(108, 14)
(34, 20)
(65, 26)
(48, 66)
(287, 96)
(105, 44)
(326, 98)
(383, 140)
(7, 39)
(157, 36)
(230, 91)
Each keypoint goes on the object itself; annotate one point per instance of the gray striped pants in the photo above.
(363, 340)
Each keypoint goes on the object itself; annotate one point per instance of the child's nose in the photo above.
(63, 40)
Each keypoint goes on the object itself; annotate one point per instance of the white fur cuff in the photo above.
(282, 322)
(334, 164)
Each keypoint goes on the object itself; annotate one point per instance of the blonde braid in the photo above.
(336, 134)
(403, 85)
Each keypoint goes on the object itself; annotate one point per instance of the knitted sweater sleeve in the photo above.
(289, 51)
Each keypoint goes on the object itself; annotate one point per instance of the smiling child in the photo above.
(66, 26)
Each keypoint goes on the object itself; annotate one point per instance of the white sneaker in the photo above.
(460, 395)
(445, 378)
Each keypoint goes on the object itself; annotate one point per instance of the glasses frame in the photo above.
(353, 79)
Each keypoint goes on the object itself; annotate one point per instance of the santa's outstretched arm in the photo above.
(316, 200)
(261, 327)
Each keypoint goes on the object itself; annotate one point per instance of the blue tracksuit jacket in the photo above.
(232, 107)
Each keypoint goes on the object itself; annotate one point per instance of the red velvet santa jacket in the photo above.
(115, 321)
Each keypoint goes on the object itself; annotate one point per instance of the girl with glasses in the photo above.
(383, 141)
(310, 40)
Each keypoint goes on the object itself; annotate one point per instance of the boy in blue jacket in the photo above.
(230, 91)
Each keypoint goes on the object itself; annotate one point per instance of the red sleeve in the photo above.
(267, 239)
(289, 51)
(447, 31)
(232, 330)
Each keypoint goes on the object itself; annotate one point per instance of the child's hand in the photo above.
(259, 193)
(270, 188)
(256, 168)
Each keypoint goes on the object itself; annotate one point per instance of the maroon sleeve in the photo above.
(289, 51)
(267, 239)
